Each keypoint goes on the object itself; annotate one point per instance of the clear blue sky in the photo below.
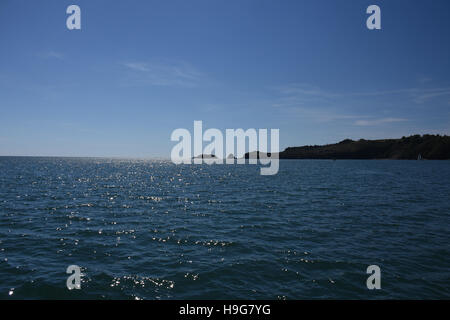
(137, 70)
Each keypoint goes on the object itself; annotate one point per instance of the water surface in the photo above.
(144, 229)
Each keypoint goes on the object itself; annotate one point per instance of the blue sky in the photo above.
(137, 70)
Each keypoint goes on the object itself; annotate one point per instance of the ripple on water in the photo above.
(152, 230)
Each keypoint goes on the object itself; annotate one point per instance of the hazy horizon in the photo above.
(168, 156)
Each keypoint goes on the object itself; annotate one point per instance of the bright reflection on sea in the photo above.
(143, 229)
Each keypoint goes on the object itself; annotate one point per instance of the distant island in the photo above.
(205, 156)
(430, 147)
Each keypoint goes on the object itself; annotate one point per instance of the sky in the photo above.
(137, 70)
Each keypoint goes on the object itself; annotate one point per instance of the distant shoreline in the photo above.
(425, 147)
(167, 159)
(416, 147)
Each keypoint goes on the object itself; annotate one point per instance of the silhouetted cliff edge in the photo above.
(431, 147)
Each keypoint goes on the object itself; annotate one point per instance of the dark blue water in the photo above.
(153, 230)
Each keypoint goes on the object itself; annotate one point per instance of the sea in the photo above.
(150, 229)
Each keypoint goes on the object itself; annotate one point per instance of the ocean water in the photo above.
(142, 229)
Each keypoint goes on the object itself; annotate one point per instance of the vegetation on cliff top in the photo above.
(427, 146)
(431, 147)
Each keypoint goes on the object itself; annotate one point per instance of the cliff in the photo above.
(431, 147)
